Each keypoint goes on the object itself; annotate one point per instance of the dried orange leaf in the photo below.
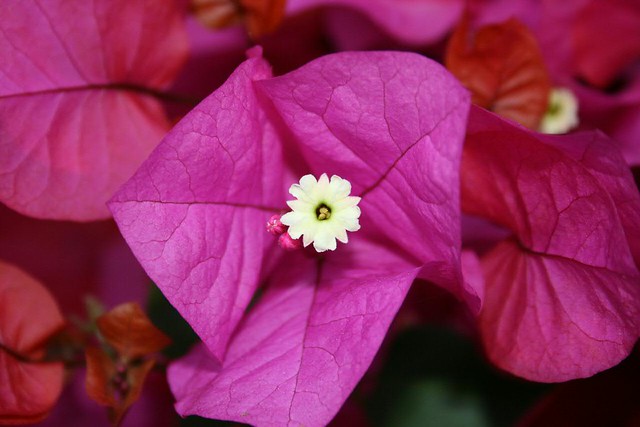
(502, 66)
(117, 387)
(136, 376)
(260, 16)
(263, 16)
(128, 329)
(100, 369)
(217, 13)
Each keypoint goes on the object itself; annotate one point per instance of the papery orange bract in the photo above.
(502, 66)
(100, 386)
(260, 16)
(100, 368)
(263, 16)
(29, 316)
(130, 332)
(216, 13)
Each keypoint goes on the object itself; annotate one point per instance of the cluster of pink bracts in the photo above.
(537, 236)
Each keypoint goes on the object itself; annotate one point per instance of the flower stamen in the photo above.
(323, 212)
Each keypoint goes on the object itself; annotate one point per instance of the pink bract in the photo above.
(76, 107)
(562, 296)
(195, 214)
(29, 316)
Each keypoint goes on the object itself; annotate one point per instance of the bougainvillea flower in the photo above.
(562, 295)
(195, 214)
(29, 316)
(79, 107)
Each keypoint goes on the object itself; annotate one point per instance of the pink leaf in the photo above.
(29, 316)
(303, 348)
(562, 297)
(77, 110)
(210, 188)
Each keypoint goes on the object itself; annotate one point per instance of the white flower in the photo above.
(323, 212)
(562, 113)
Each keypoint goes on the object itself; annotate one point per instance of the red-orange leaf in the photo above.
(112, 385)
(502, 66)
(260, 16)
(100, 370)
(217, 13)
(263, 16)
(128, 330)
(29, 316)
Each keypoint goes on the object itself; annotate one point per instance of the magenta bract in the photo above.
(76, 114)
(562, 296)
(195, 215)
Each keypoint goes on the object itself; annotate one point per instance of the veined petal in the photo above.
(324, 240)
(194, 213)
(562, 299)
(307, 183)
(300, 206)
(393, 124)
(305, 344)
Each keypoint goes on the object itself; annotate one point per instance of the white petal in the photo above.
(310, 233)
(339, 187)
(350, 213)
(346, 202)
(339, 232)
(324, 241)
(307, 183)
(291, 218)
(301, 206)
(298, 192)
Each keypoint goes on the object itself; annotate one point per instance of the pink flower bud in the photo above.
(287, 243)
(275, 227)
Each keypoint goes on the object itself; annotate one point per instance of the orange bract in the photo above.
(502, 66)
(260, 16)
(130, 332)
(102, 385)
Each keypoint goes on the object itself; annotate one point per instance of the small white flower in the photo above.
(322, 212)
(562, 113)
